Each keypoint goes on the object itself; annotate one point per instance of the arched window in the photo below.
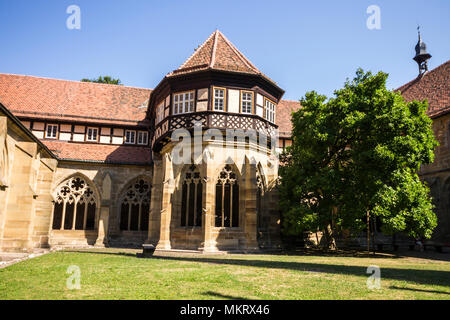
(135, 206)
(75, 206)
(227, 199)
(191, 199)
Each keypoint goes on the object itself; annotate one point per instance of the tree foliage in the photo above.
(103, 79)
(358, 153)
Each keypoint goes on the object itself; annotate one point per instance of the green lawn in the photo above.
(119, 274)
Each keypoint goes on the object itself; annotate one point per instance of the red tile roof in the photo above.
(434, 86)
(99, 152)
(217, 53)
(28, 96)
(285, 109)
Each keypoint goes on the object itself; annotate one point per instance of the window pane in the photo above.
(218, 205)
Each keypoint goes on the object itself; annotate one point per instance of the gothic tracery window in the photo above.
(135, 206)
(259, 195)
(191, 199)
(227, 199)
(75, 206)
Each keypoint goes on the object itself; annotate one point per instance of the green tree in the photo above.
(105, 79)
(355, 157)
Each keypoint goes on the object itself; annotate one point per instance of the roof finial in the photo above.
(421, 54)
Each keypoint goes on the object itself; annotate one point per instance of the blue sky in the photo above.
(302, 45)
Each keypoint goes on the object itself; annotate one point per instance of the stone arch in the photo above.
(76, 204)
(227, 197)
(134, 204)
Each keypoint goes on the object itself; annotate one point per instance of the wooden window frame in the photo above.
(241, 101)
(274, 111)
(57, 131)
(146, 138)
(125, 136)
(225, 108)
(96, 135)
(183, 101)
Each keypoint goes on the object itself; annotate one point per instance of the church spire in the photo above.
(422, 56)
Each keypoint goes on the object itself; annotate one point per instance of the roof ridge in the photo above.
(76, 81)
(240, 54)
(213, 57)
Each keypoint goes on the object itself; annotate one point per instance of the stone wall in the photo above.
(437, 176)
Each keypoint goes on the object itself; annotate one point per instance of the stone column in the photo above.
(166, 206)
(250, 218)
(209, 243)
(155, 201)
(103, 222)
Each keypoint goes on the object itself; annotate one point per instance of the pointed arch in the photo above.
(134, 204)
(227, 197)
(191, 185)
(76, 202)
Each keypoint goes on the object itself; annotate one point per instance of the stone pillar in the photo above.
(103, 222)
(155, 201)
(209, 243)
(250, 218)
(166, 207)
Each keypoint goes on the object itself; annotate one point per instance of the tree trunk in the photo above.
(368, 231)
(329, 236)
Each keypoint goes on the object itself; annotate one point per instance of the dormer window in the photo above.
(219, 99)
(92, 134)
(183, 102)
(246, 102)
(52, 131)
(269, 110)
(130, 137)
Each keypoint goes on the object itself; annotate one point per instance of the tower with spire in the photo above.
(421, 56)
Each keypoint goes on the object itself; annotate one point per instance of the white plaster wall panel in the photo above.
(39, 134)
(202, 94)
(65, 128)
(38, 126)
(259, 99)
(64, 136)
(233, 101)
(117, 140)
(259, 111)
(105, 139)
(118, 132)
(167, 100)
(78, 137)
(79, 129)
(202, 106)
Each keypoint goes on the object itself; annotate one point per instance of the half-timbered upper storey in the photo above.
(218, 86)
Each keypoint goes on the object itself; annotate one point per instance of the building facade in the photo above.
(104, 167)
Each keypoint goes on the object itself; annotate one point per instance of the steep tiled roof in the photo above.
(99, 152)
(217, 53)
(285, 109)
(434, 86)
(72, 100)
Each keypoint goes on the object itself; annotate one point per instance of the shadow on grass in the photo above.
(419, 290)
(222, 296)
(425, 277)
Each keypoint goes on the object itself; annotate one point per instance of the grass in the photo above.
(119, 274)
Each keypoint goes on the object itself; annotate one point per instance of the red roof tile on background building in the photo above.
(284, 115)
(118, 154)
(434, 86)
(72, 100)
